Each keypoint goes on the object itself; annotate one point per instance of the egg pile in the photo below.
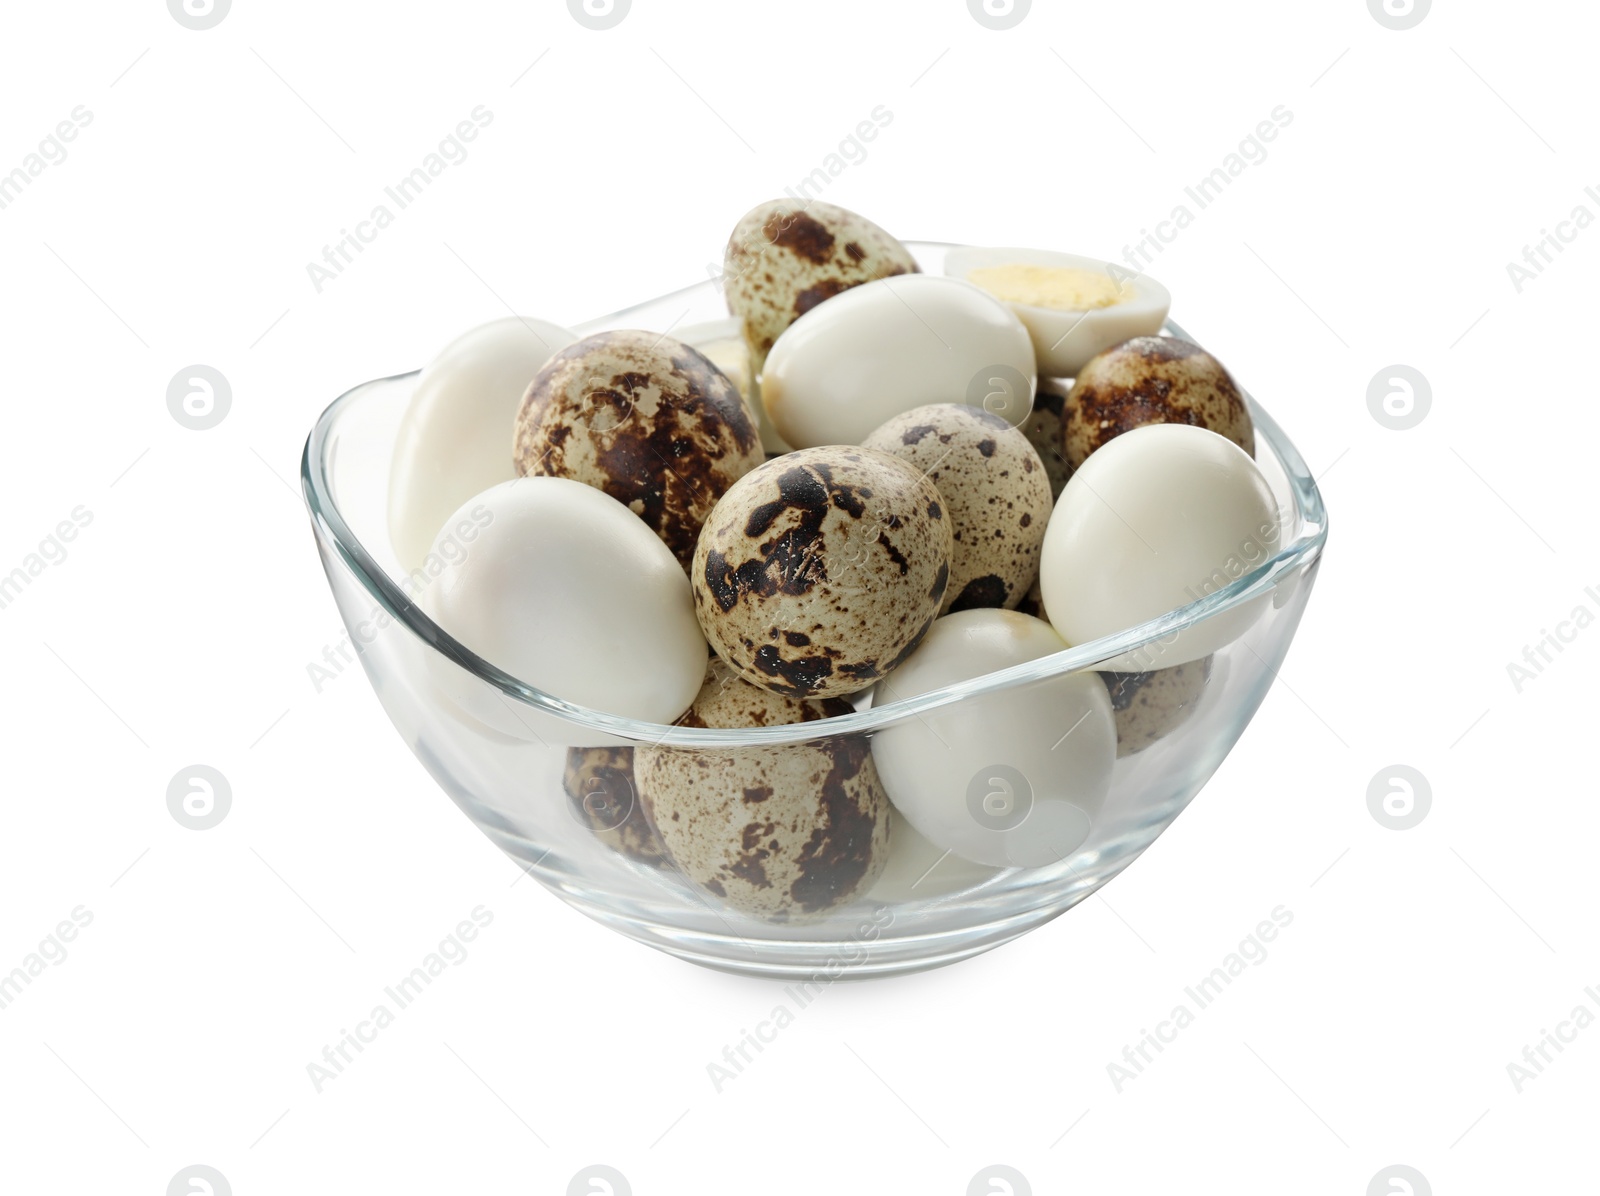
(891, 483)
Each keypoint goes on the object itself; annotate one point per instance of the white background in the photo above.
(179, 628)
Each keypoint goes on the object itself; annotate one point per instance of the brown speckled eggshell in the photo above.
(1043, 430)
(783, 833)
(599, 783)
(1152, 380)
(821, 570)
(996, 493)
(726, 700)
(1150, 706)
(785, 257)
(646, 419)
(1033, 602)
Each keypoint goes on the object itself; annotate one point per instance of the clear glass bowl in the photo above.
(500, 748)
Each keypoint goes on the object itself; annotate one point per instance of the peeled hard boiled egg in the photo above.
(1011, 779)
(1073, 307)
(569, 592)
(885, 347)
(452, 439)
(1153, 520)
(919, 871)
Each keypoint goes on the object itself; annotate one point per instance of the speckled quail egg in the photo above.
(1150, 706)
(726, 700)
(819, 571)
(785, 257)
(1043, 430)
(783, 832)
(1033, 601)
(451, 444)
(729, 353)
(1152, 380)
(996, 497)
(599, 782)
(887, 346)
(644, 418)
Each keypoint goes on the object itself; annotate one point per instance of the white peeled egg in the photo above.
(454, 440)
(1064, 340)
(919, 871)
(567, 590)
(1153, 520)
(1011, 779)
(886, 346)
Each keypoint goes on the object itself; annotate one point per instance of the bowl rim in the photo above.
(387, 594)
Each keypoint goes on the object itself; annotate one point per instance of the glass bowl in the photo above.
(513, 758)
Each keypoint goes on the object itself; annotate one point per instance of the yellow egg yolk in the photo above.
(1064, 288)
